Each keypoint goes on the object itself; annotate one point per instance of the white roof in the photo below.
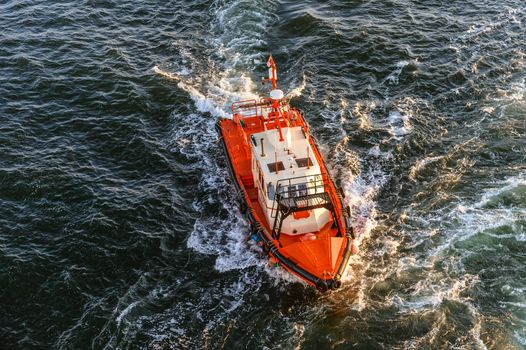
(292, 153)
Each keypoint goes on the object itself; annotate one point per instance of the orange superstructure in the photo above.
(293, 206)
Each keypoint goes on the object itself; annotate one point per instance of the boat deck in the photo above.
(277, 167)
(241, 161)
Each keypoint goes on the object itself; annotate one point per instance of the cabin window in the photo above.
(303, 162)
(302, 189)
(282, 191)
(316, 184)
(272, 166)
(271, 190)
(292, 191)
(261, 182)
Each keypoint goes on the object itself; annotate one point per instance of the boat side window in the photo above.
(282, 191)
(302, 189)
(292, 191)
(271, 190)
(316, 184)
(261, 181)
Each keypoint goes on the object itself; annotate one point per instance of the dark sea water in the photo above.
(119, 226)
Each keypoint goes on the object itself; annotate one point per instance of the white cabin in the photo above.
(294, 161)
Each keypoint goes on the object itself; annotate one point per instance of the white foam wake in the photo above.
(298, 90)
(213, 83)
(393, 78)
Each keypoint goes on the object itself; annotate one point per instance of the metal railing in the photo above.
(252, 108)
(246, 108)
(301, 193)
(293, 191)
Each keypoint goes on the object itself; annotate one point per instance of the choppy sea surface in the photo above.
(119, 226)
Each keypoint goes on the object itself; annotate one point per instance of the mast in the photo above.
(276, 95)
(272, 73)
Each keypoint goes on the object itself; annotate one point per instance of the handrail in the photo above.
(301, 189)
(311, 184)
(298, 201)
(250, 105)
(312, 181)
(305, 202)
(253, 108)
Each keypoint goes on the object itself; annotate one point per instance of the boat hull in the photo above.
(270, 245)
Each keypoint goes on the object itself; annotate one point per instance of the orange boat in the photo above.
(295, 211)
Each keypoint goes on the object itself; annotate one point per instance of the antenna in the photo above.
(272, 73)
(276, 95)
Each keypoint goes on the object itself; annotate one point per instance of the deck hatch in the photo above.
(303, 162)
(272, 167)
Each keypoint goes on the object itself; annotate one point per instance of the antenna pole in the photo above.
(272, 73)
(276, 104)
